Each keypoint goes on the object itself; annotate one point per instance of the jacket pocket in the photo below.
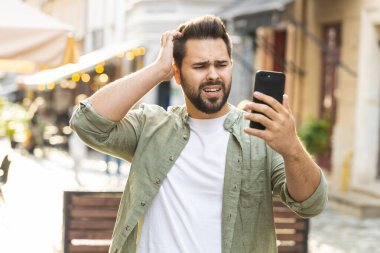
(252, 189)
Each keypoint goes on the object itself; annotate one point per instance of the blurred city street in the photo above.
(56, 53)
(32, 206)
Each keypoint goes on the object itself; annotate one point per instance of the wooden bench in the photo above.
(291, 230)
(89, 218)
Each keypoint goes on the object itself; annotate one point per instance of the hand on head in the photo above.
(165, 57)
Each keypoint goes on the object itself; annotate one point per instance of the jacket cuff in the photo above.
(94, 118)
(319, 197)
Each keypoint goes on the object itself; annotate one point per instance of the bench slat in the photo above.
(291, 249)
(99, 200)
(90, 234)
(291, 237)
(91, 224)
(92, 213)
(88, 249)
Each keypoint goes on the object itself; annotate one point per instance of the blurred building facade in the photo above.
(330, 53)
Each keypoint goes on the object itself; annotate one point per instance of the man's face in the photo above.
(206, 75)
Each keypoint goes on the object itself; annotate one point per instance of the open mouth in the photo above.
(210, 90)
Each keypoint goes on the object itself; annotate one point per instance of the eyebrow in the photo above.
(202, 63)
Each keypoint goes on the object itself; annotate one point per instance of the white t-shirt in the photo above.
(186, 214)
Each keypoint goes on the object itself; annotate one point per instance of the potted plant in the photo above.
(314, 134)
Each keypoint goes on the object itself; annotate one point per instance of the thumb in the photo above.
(285, 102)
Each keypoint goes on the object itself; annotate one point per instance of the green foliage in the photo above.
(13, 119)
(314, 134)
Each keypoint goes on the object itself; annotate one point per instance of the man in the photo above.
(201, 180)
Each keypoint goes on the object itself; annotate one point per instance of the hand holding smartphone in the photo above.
(270, 83)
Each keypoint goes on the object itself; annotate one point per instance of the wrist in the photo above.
(162, 71)
(294, 151)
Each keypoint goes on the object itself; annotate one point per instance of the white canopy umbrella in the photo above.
(30, 35)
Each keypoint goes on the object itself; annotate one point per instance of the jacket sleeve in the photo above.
(116, 138)
(310, 207)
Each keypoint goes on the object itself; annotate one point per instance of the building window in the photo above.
(97, 39)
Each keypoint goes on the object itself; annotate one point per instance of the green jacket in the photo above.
(152, 139)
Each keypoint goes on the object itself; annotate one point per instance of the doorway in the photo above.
(328, 100)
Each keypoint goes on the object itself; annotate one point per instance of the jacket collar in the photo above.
(229, 123)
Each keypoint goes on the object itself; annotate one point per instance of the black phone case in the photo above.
(270, 83)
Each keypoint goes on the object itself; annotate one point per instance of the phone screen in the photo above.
(270, 83)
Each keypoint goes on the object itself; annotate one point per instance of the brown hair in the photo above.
(205, 27)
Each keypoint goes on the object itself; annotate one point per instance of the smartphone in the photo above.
(270, 83)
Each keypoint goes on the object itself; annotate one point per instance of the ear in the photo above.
(177, 74)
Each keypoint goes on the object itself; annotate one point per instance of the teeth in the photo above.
(211, 90)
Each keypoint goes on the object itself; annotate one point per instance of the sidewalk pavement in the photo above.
(31, 216)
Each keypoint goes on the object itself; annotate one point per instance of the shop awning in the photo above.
(250, 7)
(85, 63)
(248, 15)
(27, 34)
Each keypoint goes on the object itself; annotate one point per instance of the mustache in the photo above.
(211, 82)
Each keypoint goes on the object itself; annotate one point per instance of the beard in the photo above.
(204, 104)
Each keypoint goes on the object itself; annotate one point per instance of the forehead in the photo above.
(205, 50)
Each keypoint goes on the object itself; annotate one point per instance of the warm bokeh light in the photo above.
(103, 78)
(41, 87)
(51, 86)
(85, 77)
(99, 68)
(64, 84)
(94, 86)
(130, 55)
(139, 51)
(75, 77)
(72, 85)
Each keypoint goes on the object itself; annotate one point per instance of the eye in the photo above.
(222, 65)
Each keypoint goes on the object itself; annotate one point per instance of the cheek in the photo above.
(195, 78)
(226, 75)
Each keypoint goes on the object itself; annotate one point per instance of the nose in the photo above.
(212, 73)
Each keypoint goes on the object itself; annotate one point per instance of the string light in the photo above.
(130, 55)
(85, 77)
(41, 87)
(103, 78)
(94, 86)
(72, 85)
(139, 51)
(51, 86)
(64, 84)
(75, 77)
(99, 68)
